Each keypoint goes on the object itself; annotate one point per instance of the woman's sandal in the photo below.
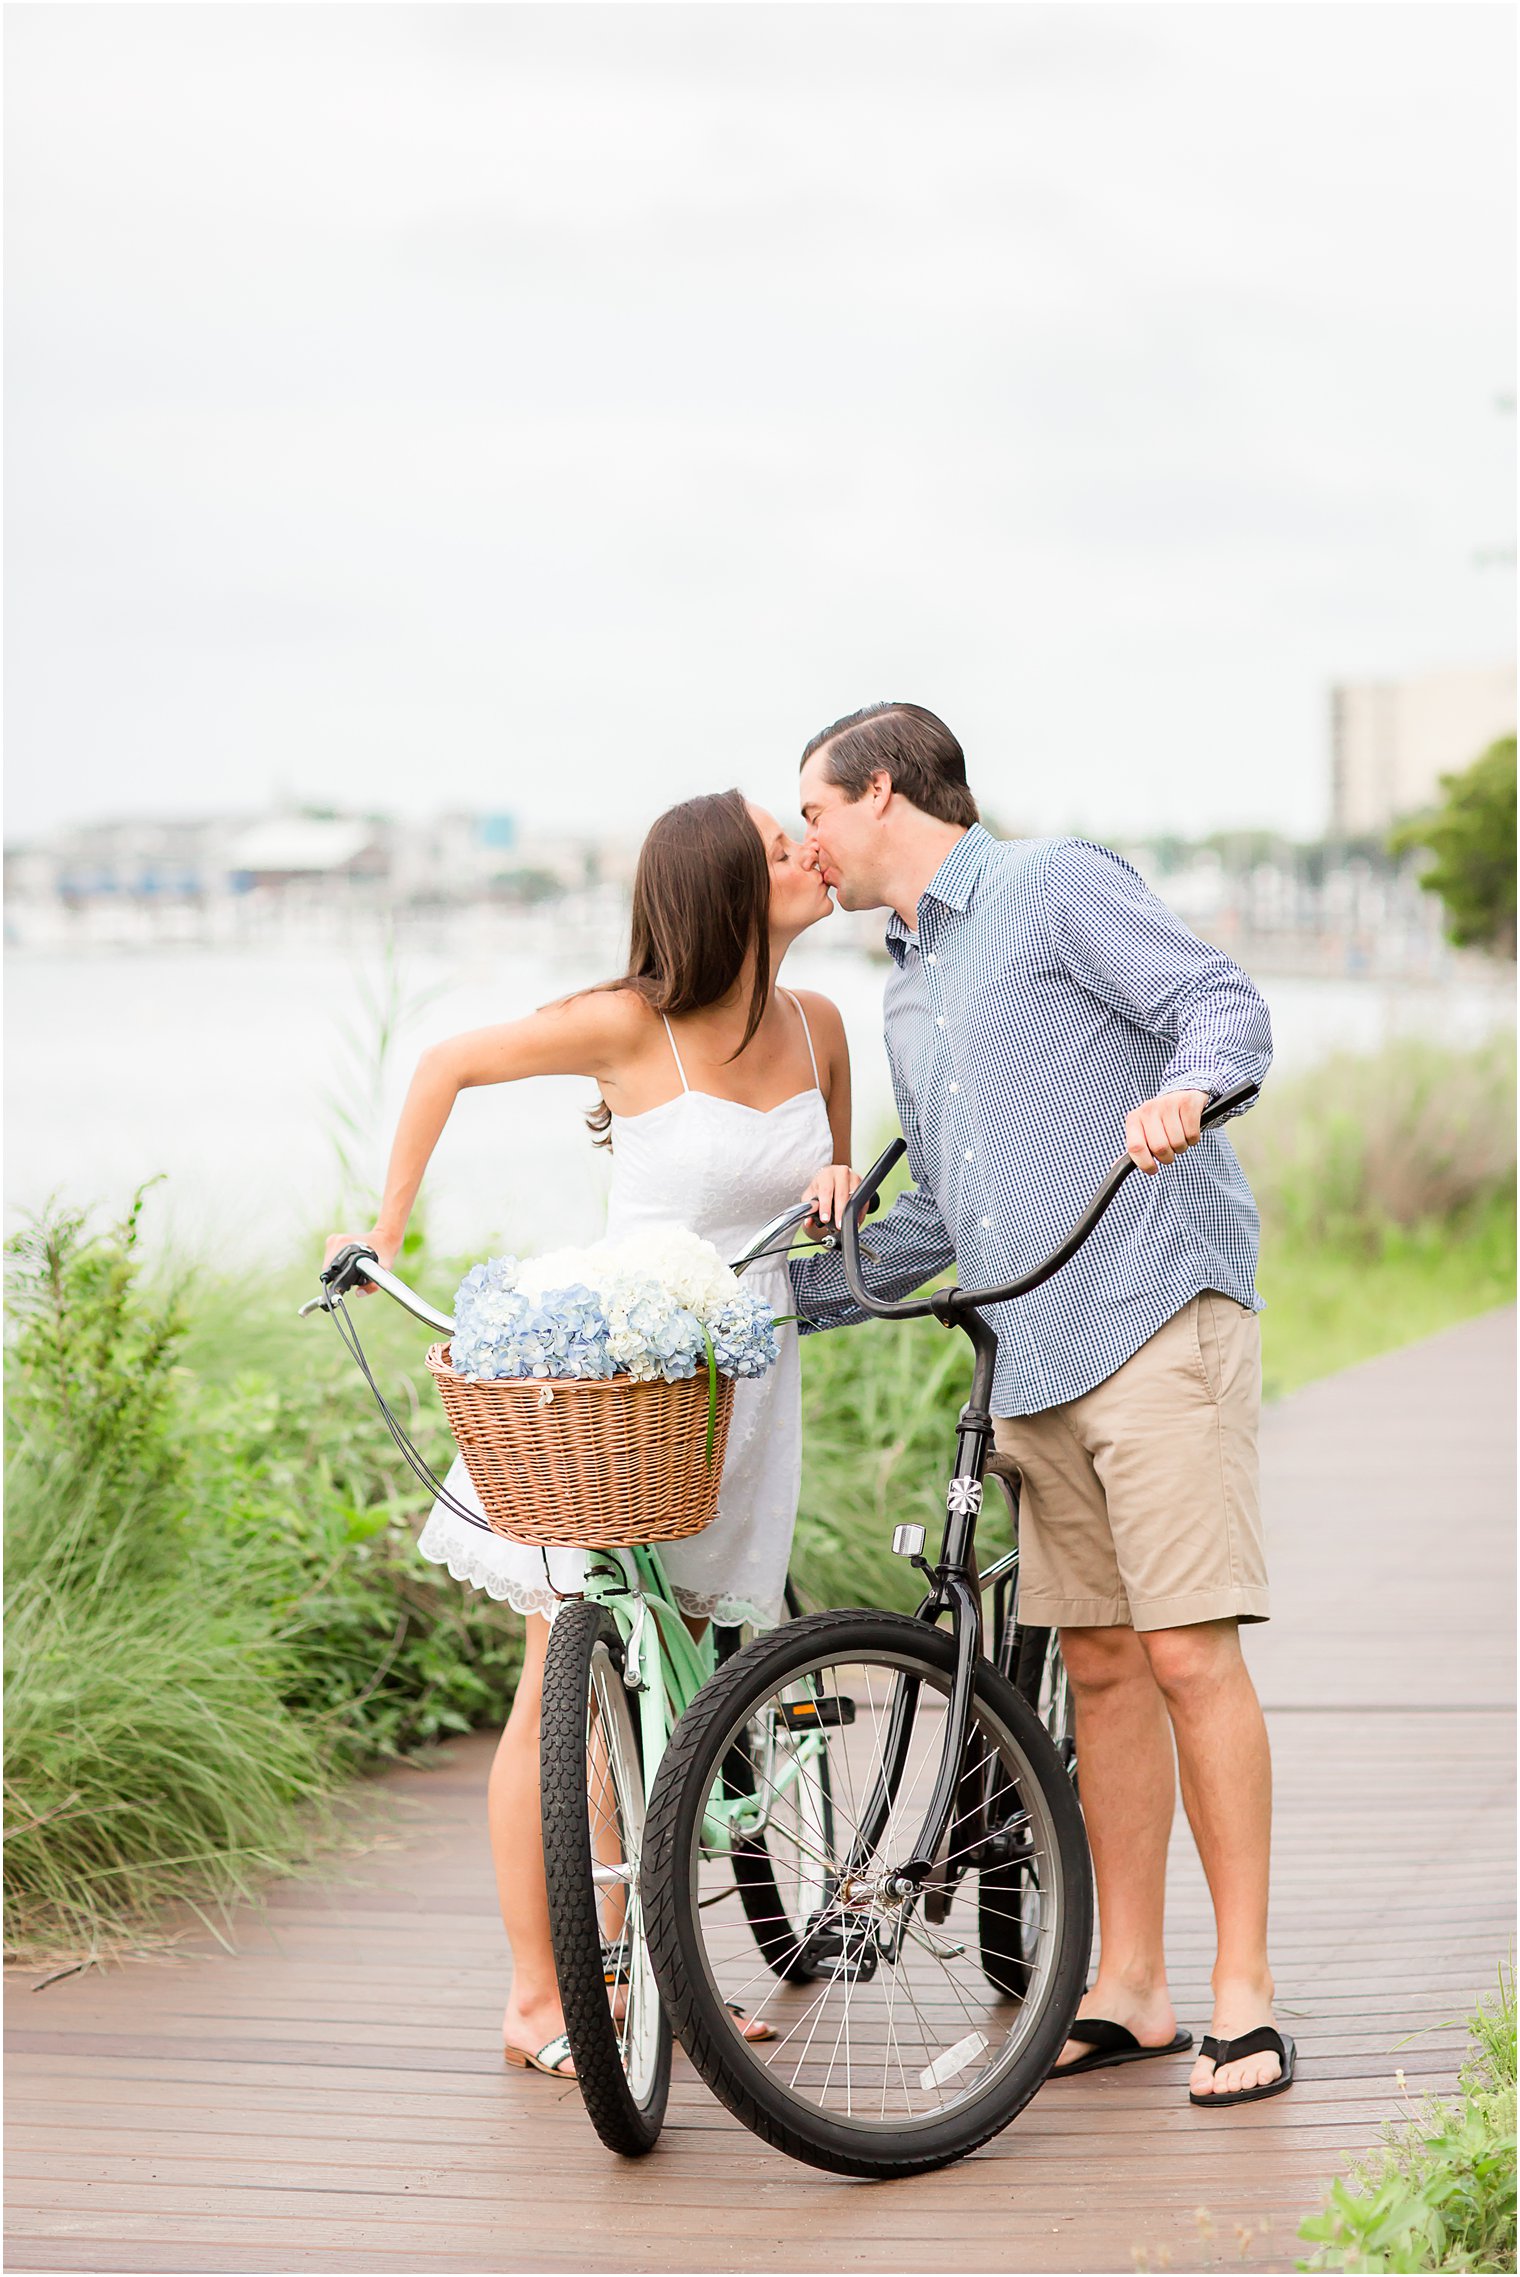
(1266, 2040)
(751, 2027)
(1113, 2044)
(549, 2057)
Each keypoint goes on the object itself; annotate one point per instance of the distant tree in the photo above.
(1472, 837)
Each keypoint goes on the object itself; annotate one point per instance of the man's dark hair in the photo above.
(926, 764)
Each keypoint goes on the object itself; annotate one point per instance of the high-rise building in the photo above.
(1393, 740)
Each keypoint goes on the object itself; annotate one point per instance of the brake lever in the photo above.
(333, 1272)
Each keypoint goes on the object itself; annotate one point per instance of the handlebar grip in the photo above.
(1240, 1095)
(343, 1272)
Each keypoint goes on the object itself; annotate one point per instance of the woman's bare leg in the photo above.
(534, 2015)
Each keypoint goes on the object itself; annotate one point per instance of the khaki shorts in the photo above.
(1139, 1505)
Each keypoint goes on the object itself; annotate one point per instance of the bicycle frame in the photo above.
(954, 1590)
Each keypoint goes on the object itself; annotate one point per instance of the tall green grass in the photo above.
(215, 1612)
(151, 1752)
(1418, 1135)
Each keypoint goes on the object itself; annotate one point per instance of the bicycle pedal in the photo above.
(1010, 1846)
(815, 1715)
(847, 1957)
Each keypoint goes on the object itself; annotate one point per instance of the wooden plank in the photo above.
(331, 2096)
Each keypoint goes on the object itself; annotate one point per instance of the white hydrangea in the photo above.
(651, 1305)
(563, 1269)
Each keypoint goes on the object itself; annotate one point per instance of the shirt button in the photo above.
(970, 1157)
(939, 1019)
(955, 1087)
(986, 1224)
(931, 958)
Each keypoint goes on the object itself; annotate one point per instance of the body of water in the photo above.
(218, 1068)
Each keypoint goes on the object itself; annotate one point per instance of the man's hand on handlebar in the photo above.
(385, 1251)
(828, 1192)
(1164, 1127)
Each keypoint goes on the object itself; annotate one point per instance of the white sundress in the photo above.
(723, 1170)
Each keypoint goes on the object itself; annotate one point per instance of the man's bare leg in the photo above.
(1226, 1772)
(1124, 1749)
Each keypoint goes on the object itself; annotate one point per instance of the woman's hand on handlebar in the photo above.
(828, 1192)
(385, 1251)
(1164, 1127)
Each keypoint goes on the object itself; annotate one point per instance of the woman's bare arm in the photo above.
(586, 1035)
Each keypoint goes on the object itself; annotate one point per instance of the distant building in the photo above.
(290, 850)
(1393, 740)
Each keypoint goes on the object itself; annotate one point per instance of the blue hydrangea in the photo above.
(744, 1336)
(499, 1333)
(645, 1308)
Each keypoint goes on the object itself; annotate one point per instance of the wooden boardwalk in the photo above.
(329, 2096)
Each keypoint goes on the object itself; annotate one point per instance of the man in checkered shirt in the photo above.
(1043, 1009)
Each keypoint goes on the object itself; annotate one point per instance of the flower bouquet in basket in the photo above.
(591, 1390)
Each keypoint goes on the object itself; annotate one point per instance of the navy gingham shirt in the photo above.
(1046, 992)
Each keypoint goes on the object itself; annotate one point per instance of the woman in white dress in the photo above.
(725, 1098)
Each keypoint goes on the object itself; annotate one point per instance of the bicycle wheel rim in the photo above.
(615, 1816)
(916, 2044)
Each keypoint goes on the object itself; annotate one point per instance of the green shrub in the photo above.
(215, 1607)
(1417, 1134)
(93, 1356)
(388, 1652)
(1441, 2193)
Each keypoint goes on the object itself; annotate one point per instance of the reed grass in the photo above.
(150, 1752)
(215, 1612)
(1418, 1135)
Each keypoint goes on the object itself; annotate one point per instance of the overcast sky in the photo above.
(567, 408)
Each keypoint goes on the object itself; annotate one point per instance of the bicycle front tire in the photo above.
(592, 1780)
(888, 2057)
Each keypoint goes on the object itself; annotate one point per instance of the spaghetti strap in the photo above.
(807, 1031)
(675, 1055)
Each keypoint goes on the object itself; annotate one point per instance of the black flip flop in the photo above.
(1266, 2040)
(1113, 2044)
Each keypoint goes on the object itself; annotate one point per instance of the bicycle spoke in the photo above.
(899, 2021)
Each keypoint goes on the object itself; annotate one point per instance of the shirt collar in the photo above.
(952, 884)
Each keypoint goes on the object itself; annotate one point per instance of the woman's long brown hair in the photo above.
(701, 903)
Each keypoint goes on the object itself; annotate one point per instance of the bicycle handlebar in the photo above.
(947, 1301)
(356, 1263)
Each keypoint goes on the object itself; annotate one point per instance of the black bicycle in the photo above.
(905, 2034)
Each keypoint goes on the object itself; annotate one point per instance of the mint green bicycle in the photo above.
(622, 1668)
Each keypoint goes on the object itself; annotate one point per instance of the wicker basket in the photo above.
(599, 1463)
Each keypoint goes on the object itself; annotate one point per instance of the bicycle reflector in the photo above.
(812, 1715)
